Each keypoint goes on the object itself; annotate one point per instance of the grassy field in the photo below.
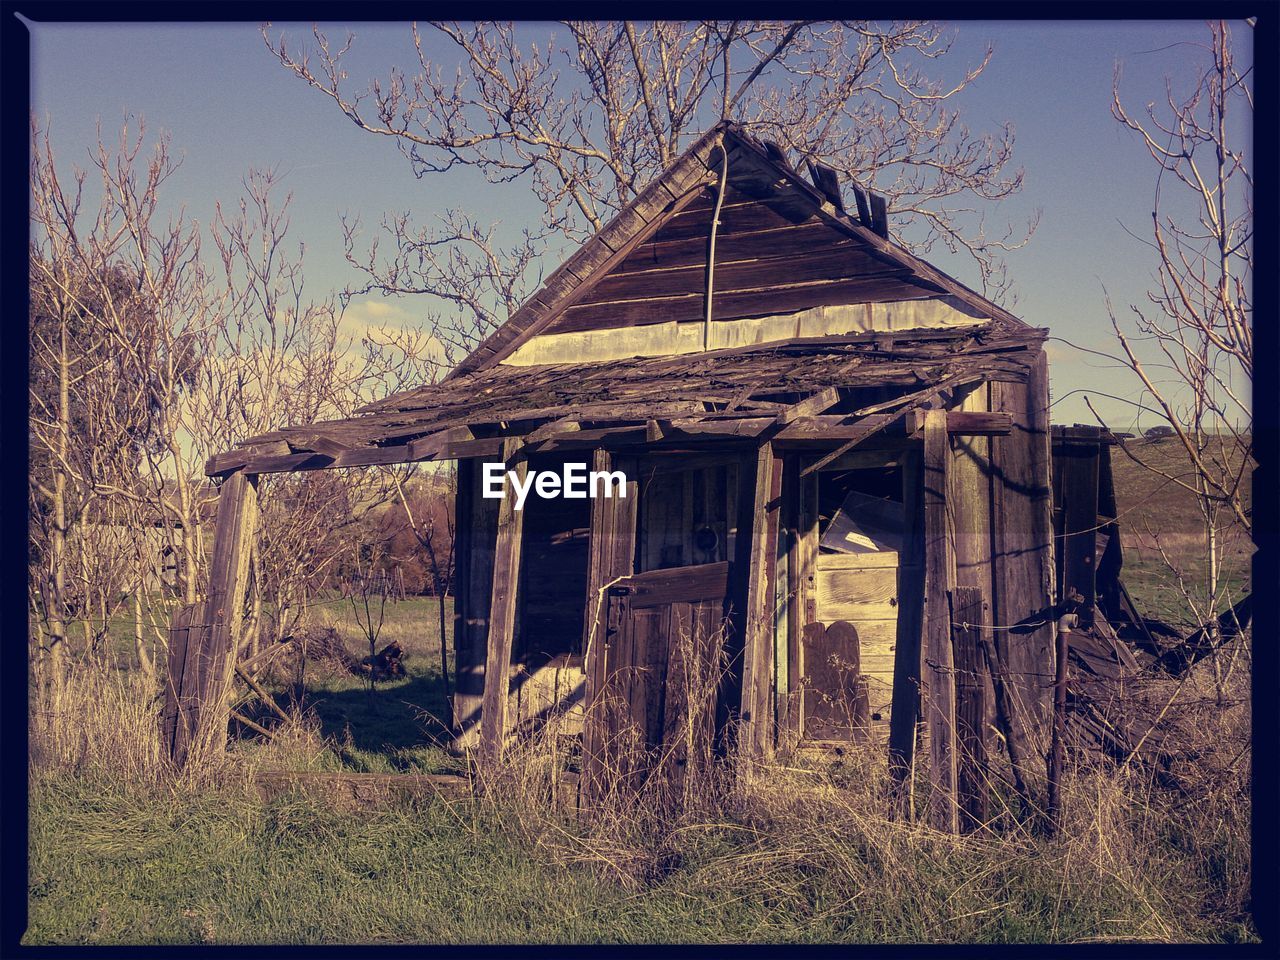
(1163, 534)
(120, 863)
(119, 855)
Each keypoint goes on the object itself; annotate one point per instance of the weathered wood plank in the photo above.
(502, 611)
(1024, 572)
(838, 262)
(757, 672)
(972, 783)
(214, 657)
(810, 406)
(731, 302)
(939, 672)
(178, 713)
(779, 240)
(611, 548)
(973, 423)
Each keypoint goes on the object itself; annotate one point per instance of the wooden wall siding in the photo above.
(880, 595)
(862, 590)
(969, 504)
(765, 263)
(477, 526)
(676, 185)
(766, 193)
(1024, 550)
(671, 337)
(675, 503)
(1076, 474)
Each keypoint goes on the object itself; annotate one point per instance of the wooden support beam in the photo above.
(611, 555)
(431, 447)
(502, 611)
(793, 526)
(477, 532)
(262, 694)
(810, 406)
(212, 643)
(757, 664)
(181, 681)
(940, 711)
(1024, 572)
(317, 443)
(565, 426)
(967, 423)
(874, 422)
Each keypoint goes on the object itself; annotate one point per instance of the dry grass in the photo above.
(795, 849)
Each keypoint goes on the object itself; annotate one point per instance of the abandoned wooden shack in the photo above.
(836, 522)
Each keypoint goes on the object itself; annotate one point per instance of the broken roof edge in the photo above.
(662, 198)
(389, 431)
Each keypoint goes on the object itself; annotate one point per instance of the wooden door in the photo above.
(656, 707)
(847, 650)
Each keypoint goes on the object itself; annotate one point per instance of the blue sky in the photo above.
(229, 106)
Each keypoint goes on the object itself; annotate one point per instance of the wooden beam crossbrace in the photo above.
(878, 421)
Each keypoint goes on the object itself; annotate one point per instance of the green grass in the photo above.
(1155, 513)
(123, 865)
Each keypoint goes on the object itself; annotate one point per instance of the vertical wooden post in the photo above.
(940, 675)
(611, 555)
(180, 681)
(1023, 581)
(905, 712)
(502, 610)
(757, 663)
(477, 528)
(971, 688)
(793, 524)
(213, 640)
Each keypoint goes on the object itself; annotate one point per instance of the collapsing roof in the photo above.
(807, 300)
(740, 391)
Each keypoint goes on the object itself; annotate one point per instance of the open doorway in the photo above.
(547, 677)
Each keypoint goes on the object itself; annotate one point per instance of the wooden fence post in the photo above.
(200, 678)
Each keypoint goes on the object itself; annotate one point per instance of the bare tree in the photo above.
(589, 124)
(1191, 345)
(430, 518)
(107, 283)
(145, 361)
